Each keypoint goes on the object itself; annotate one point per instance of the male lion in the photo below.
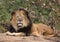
(21, 24)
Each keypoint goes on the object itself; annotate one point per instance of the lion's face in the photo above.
(19, 19)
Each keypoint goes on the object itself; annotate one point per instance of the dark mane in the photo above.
(26, 12)
(25, 29)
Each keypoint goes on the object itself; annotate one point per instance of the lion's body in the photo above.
(23, 25)
(42, 29)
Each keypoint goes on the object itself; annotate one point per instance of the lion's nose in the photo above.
(19, 21)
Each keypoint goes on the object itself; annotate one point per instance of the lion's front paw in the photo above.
(19, 34)
(15, 34)
(9, 33)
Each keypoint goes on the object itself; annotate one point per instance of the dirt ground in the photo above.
(5, 38)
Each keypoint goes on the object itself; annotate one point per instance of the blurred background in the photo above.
(40, 11)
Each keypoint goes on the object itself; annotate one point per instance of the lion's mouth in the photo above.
(19, 24)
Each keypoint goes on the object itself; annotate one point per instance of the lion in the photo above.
(21, 24)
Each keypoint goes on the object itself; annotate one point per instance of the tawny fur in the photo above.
(32, 29)
(41, 29)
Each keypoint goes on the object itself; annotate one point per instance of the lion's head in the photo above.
(20, 19)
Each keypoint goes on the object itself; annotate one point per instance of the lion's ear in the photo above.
(12, 13)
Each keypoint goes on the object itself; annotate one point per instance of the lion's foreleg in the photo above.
(9, 33)
(15, 34)
(19, 34)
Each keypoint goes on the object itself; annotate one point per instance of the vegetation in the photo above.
(45, 11)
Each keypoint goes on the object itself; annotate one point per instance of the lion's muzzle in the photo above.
(19, 23)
